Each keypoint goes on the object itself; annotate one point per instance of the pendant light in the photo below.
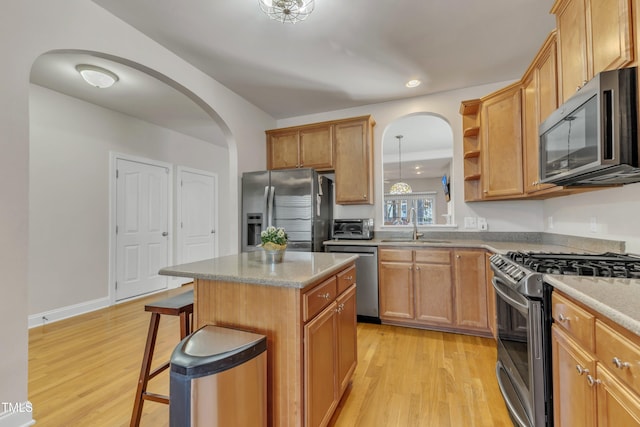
(400, 187)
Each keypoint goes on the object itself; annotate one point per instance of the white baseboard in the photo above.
(40, 319)
(16, 419)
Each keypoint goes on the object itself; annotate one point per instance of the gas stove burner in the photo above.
(606, 264)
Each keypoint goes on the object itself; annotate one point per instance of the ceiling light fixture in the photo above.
(290, 11)
(413, 83)
(97, 76)
(400, 187)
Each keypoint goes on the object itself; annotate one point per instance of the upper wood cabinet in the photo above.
(354, 161)
(344, 146)
(539, 100)
(593, 36)
(301, 147)
(500, 127)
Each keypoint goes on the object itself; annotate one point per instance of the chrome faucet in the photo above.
(413, 218)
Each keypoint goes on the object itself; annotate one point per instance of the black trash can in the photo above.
(219, 378)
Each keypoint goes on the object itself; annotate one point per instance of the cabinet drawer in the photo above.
(579, 323)
(620, 355)
(399, 255)
(346, 278)
(316, 299)
(433, 256)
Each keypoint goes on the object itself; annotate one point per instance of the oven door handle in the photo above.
(521, 307)
(511, 408)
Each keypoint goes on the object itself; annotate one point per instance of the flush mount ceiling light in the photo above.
(97, 76)
(400, 187)
(413, 83)
(290, 11)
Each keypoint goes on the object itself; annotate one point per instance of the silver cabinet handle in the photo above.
(324, 296)
(581, 370)
(592, 381)
(620, 364)
(562, 318)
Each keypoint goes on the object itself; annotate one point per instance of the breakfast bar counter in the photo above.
(305, 306)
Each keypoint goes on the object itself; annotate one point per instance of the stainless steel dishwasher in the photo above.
(366, 280)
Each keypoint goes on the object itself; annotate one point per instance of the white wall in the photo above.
(29, 28)
(69, 150)
(501, 216)
(615, 210)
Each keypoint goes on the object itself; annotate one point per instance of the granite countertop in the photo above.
(616, 299)
(297, 270)
(493, 246)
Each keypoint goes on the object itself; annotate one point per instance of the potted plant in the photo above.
(274, 243)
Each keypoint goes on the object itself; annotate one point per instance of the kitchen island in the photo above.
(305, 306)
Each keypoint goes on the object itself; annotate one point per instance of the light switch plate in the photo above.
(482, 224)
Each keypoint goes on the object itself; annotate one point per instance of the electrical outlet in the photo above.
(593, 224)
(470, 222)
(482, 224)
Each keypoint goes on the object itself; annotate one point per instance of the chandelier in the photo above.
(400, 187)
(290, 11)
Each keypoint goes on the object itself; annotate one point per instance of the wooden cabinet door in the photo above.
(320, 367)
(539, 100)
(347, 349)
(316, 147)
(282, 150)
(617, 406)
(396, 291)
(434, 293)
(502, 143)
(611, 34)
(470, 289)
(572, 46)
(574, 400)
(353, 162)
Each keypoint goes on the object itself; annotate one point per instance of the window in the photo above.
(398, 206)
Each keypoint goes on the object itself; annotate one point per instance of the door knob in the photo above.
(165, 234)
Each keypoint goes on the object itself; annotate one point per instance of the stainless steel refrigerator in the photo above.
(299, 200)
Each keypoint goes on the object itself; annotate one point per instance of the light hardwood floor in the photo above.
(83, 372)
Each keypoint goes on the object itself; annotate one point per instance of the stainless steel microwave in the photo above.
(592, 138)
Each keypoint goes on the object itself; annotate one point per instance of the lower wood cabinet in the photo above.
(311, 339)
(596, 374)
(330, 357)
(438, 288)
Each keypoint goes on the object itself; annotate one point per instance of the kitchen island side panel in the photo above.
(271, 311)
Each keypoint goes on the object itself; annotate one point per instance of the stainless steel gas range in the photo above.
(523, 304)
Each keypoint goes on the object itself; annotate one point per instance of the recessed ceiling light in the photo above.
(413, 83)
(418, 173)
(97, 76)
(417, 167)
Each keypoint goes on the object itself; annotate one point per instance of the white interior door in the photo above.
(197, 215)
(142, 225)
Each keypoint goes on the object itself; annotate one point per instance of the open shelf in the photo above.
(471, 132)
(471, 154)
(473, 177)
